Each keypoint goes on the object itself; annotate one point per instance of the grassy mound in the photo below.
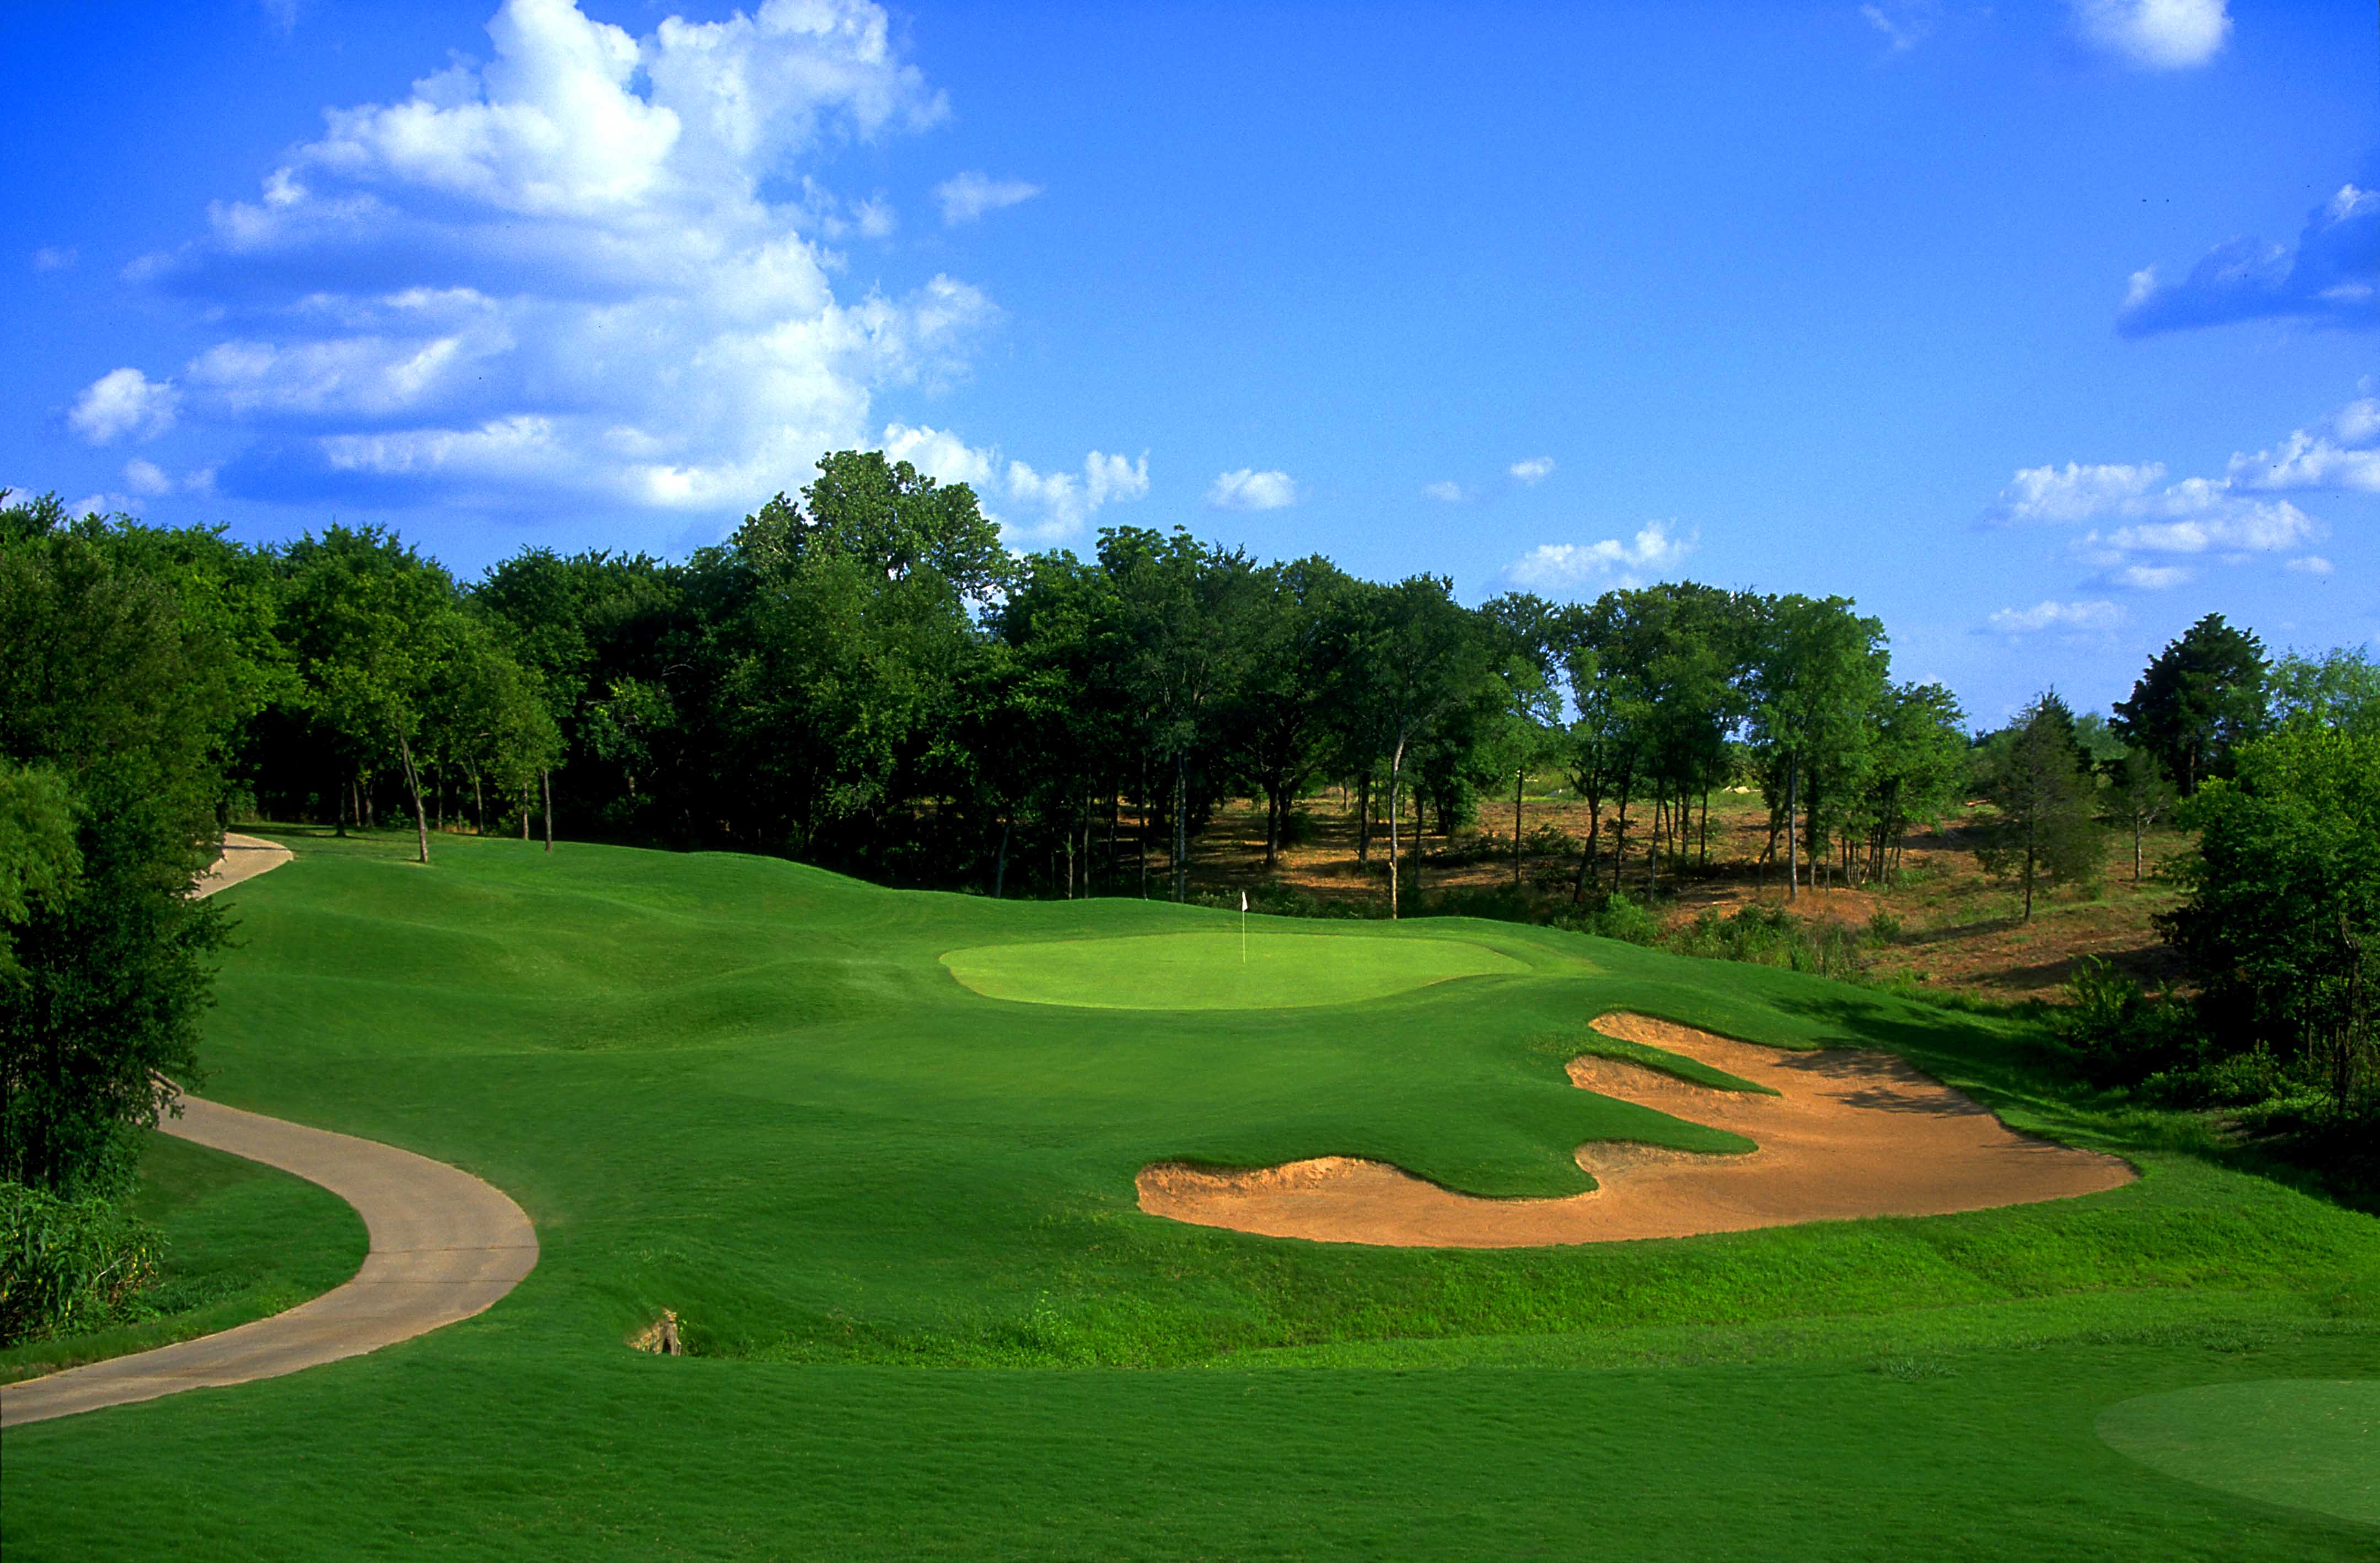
(752, 1092)
(1221, 970)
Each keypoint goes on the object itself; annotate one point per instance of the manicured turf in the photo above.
(897, 1218)
(242, 1241)
(1221, 970)
(2308, 1443)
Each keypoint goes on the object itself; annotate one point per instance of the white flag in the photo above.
(1244, 901)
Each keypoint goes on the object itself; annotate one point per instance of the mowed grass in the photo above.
(897, 1219)
(2312, 1443)
(242, 1241)
(1221, 970)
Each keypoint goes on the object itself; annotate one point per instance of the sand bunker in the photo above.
(1849, 1133)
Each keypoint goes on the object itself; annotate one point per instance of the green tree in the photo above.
(114, 707)
(2139, 794)
(2200, 698)
(2041, 787)
(2338, 688)
(2280, 923)
(364, 616)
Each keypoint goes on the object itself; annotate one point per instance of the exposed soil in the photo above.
(1849, 1133)
(1944, 921)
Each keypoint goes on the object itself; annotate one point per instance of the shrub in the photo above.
(2118, 1034)
(1884, 929)
(68, 1264)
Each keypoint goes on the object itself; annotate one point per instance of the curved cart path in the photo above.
(444, 1246)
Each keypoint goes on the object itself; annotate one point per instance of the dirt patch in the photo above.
(1848, 1133)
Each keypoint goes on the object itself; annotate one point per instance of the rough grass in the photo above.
(897, 1218)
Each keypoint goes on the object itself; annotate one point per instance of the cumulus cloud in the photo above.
(1537, 469)
(124, 402)
(1249, 490)
(1449, 493)
(2343, 454)
(2072, 618)
(1032, 508)
(2311, 564)
(1655, 550)
(2151, 517)
(2155, 34)
(146, 478)
(557, 273)
(965, 196)
(2330, 276)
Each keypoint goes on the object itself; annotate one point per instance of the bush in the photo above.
(2117, 1035)
(1770, 936)
(1618, 918)
(1884, 929)
(68, 1264)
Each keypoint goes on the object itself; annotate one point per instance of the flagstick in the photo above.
(1244, 928)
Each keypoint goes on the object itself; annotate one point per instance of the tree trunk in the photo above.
(1396, 772)
(2136, 852)
(1140, 836)
(1519, 778)
(478, 807)
(1619, 843)
(1181, 827)
(1792, 835)
(1273, 812)
(1364, 817)
(545, 778)
(1000, 867)
(413, 785)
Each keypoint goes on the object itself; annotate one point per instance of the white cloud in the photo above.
(2074, 492)
(2345, 456)
(1055, 505)
(1903, 23)
(1249, 490)
(146, 478)
(1534, 470)
(2331, 276)
(2195, 516)
(1451, 493)
(2155, 34)
(965, 196)
(124, 402)
(52, 258)
(555, 274)
(2074, 618)
(2311, 564)
(1567, 567)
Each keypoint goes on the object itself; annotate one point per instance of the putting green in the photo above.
(2309, 1443)
(1211, 971)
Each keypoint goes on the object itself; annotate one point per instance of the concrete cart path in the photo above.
(444, 1246)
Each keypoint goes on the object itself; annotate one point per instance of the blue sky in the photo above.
(2040, 329)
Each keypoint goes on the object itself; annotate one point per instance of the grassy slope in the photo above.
(749, 1091)
(242, 1241)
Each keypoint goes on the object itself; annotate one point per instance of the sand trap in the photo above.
(1849, 1133)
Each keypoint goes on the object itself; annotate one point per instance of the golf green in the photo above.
(1219, 970)
(2306, 1443)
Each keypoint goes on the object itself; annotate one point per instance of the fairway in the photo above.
(2306, 1443)
(1220, 971)
(898, 1222)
